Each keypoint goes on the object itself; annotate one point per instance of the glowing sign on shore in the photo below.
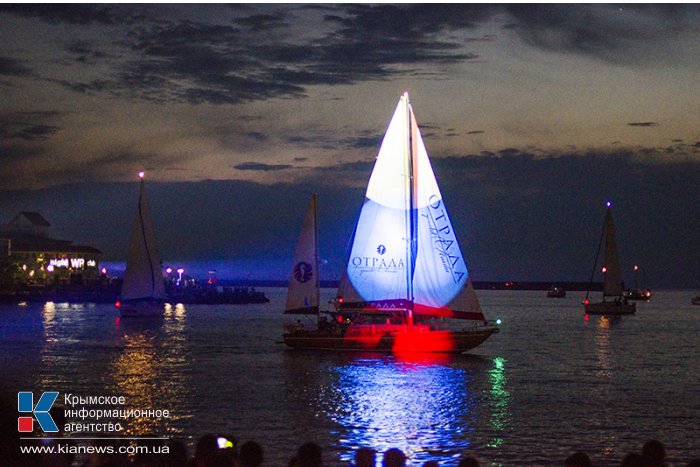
(73, 263)
(59, 262)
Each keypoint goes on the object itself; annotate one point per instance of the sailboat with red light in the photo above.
(613, 286)
(143, 290)
(406, 287)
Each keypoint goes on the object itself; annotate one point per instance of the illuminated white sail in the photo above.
(404, 252)
(303, 290)
(143, 277)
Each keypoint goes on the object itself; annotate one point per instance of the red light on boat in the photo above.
(585, 302)
(585, 317)
(339, 319)
(118, 304)
(340, 300)
(604, 269)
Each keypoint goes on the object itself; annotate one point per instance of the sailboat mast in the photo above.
(597, 255)
(317, 282)
(412, 221)
(143, 233)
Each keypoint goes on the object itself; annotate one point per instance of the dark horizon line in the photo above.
(479, 285)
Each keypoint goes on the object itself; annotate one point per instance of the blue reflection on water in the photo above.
(423, 408)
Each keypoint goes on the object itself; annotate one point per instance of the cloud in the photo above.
(261, 166)
(625, 34)
(643, 124)
(265, 55)
(263, 22)
(67, 13)
(363, 142)
(28, 126)
(12, 67)
(257, 136)
(85, 52)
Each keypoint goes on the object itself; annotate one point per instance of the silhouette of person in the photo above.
(251, 454)
(365, 457)
(632, 460)
(468, 461)
(578, 459)
(394, 457)
(654, 453)
(309, 455)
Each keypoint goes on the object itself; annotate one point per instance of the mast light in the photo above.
(141, 174)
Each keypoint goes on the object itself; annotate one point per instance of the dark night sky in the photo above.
(533, 115)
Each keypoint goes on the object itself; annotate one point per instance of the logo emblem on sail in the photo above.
(303, 272)
(381, 249)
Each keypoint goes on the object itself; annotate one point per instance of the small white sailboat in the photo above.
(613, 286)
(303, 294)
(406, 287)
(143, 290)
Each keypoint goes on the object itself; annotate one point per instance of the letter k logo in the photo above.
(25, 403)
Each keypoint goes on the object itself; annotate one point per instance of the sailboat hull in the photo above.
(610, 308)
(389, 339)
(141, 308)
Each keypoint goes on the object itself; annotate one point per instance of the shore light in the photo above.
(608, 204)
(141, 174)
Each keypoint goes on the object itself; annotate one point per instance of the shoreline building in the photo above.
(29, 257)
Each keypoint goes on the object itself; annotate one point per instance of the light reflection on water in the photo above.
(428, 408)
(151, 370)
(500, 398)
(549, 384)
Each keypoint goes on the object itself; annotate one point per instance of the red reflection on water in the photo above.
(420, 340)
(423, 359)
(400, 340)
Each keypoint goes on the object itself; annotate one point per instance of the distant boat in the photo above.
(639, 294)
(612, 277)
(143, 289)
(303, 293)
(406, 284)
(556, 292)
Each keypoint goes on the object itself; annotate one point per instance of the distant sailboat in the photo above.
(637, 293)
(406, 284)
(143, 290)
(613, 286)
(303, 294)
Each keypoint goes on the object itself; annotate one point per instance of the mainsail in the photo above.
(404, 253)
(303, 290)
(143, 277)
(612, 285)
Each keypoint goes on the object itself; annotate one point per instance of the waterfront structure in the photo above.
(30, 257)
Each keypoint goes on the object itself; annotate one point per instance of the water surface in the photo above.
(550, 383)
